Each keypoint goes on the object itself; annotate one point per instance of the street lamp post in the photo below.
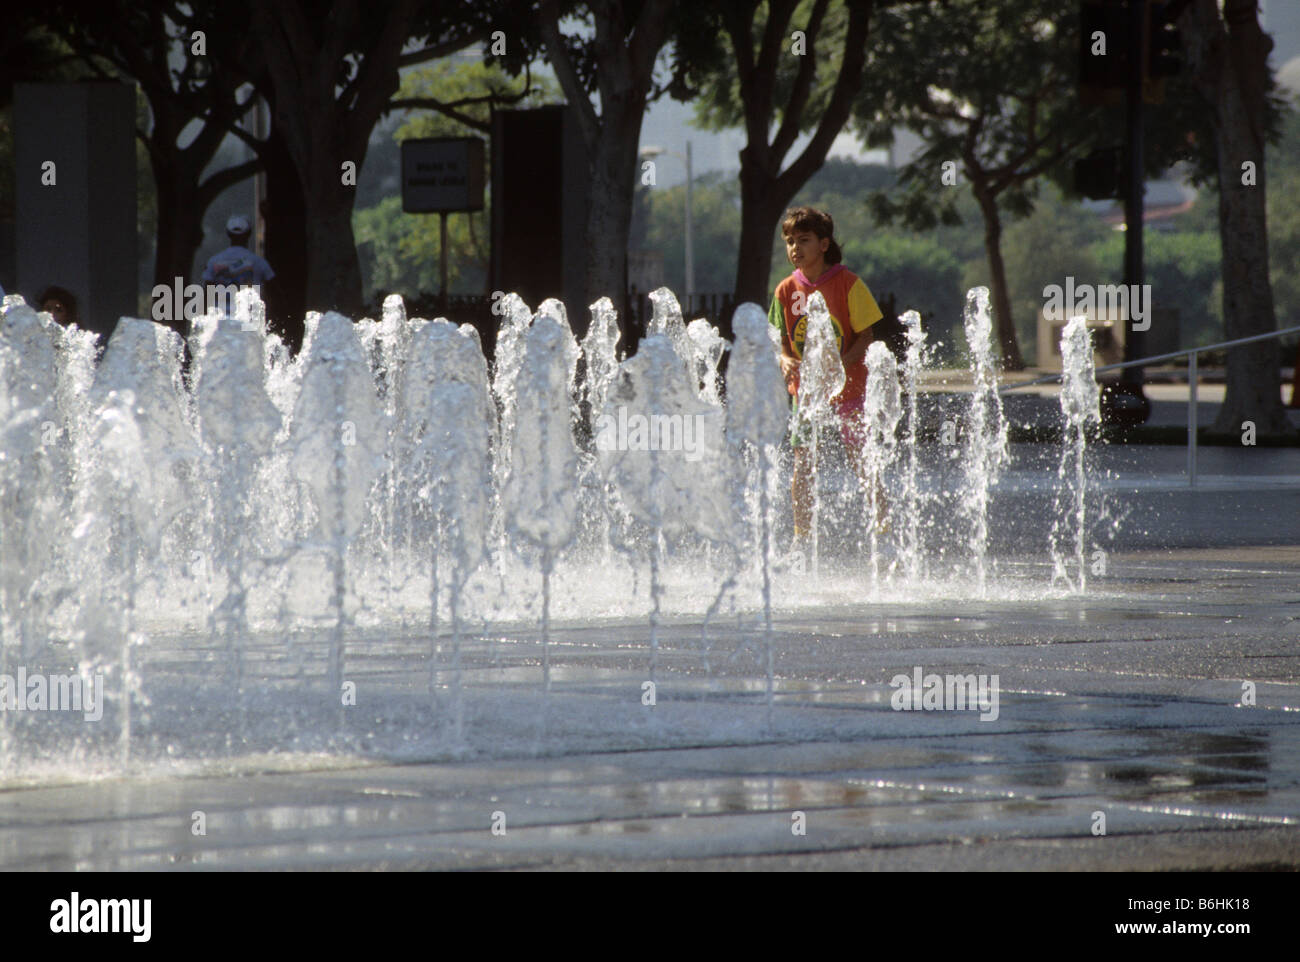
(690, 245)
(690, 248)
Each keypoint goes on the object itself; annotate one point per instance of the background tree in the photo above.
(921, 273)
(199, 74)
(1002, 114)
(1227, 56)
(1054, 242)
(444, 99)
(1284, 220)
(716, 224)
(762, 75)
(333, 67)
(1183, 270)
(616, 64)
(194, 101)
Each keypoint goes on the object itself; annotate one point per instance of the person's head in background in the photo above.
(810, 240)
(238, 230)
(60, 303)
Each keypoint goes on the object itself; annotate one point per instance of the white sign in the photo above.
(443, 174)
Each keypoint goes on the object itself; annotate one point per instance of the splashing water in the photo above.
(292, 516)
(141, 477)
(707, 347)
(881, 411)
(666, 321)
(601, 351)
(238, 423)
(446, 432)
(757, 417)
(515, 318)
(661, 446)
(821, 378)
(541, 502)
(1081, 408)
(986, 451)
(338, 442)
(600, 348)
(34, 467)
(912, 503)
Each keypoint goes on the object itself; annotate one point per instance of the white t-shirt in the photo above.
(237, 265)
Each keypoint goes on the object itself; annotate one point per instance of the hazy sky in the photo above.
(667, 124)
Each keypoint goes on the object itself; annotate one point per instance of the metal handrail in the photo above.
(1145, 361)
(1192, 381)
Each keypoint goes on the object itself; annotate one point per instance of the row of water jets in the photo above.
(258, 492)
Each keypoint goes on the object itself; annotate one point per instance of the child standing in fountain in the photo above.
(810, 245)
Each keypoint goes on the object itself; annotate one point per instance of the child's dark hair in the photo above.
(62, 294)
(800, 219)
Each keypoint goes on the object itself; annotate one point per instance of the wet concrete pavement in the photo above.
(1126, 702)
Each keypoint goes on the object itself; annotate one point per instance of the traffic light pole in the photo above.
(1134, 341)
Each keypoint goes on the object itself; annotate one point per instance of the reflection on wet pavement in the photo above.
(1128, 702)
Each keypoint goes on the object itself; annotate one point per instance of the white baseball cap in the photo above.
(238, 224)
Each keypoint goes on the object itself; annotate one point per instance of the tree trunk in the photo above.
(333, 268)
(324, 127)
(624, 54)
(1229, 58)
(761, 208)
(609, 214)
(167, 198)
(183, 194)
(1007, 341)
(286, 243)
(180, 225)
(180, 221)
(764, 189)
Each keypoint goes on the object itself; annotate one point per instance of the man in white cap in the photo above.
(237, 264)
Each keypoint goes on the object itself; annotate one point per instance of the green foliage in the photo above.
(449, 81)
(842, 176)
(1283, 187)
(714, 74)
(1045, 248)
(715, 199)
(920, 272)
(1204, 214)
(1183, 269)
(400, 252)
(990, 87)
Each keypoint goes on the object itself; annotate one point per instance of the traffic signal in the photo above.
(1164, 43)
(1106, 47)
(1103, 51)
(1099, 176)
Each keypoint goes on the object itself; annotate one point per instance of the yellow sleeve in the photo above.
(863, 309)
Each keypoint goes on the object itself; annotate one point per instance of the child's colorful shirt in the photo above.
(847, 300)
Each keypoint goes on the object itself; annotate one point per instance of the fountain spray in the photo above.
(1080, 405)
(821, 378)
(912, 502)
(986, 431)
(757, 417)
